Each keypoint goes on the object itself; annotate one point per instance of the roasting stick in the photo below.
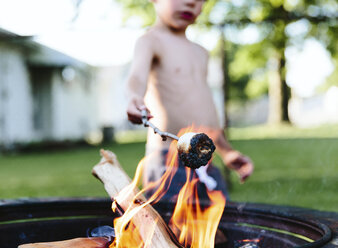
(163, 134)
(116, 183)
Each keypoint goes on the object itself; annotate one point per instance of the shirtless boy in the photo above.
(169, 78)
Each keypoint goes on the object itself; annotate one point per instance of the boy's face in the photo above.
(178, 14)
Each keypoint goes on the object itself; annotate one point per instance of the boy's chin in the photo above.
(181, 25)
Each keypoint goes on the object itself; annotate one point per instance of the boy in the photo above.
(168, 78)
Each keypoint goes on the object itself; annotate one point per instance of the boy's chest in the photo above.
(182, 60)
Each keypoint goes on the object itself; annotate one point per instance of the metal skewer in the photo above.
(147, 123)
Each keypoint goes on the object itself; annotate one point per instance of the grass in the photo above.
(292, 167)
(297, 172)
(60, 173)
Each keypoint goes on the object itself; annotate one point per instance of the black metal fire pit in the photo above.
(44, 220)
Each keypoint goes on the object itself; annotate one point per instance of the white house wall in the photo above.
(112, 100)
(74, 107)
(15, 98)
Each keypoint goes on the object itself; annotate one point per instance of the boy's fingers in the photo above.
(134, 116)
(241, 164)
(134, 119)
(134, 112)
(143, 107)
(245, 171)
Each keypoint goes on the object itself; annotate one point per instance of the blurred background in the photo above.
(273, 71)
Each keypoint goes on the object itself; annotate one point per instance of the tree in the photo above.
(275, 16)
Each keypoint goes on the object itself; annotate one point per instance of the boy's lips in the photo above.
(187, 15)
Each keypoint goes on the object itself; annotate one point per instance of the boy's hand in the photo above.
(134, 109)
(240, 163)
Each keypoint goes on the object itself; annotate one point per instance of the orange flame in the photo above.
(127, 233)
(193, 226)
(256, 241)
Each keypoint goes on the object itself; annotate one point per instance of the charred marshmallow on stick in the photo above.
(195, 149)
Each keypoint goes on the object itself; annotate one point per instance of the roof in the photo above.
(5, 34)
(39, 54)
(46, 56)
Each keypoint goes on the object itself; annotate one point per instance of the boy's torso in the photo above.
(177, 94)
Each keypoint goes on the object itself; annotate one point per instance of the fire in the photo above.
(193, 225)
(247, 243)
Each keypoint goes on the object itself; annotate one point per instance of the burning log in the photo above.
(97, 242)
(126, 195)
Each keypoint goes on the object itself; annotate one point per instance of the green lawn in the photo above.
(292, 167)
(297, 172)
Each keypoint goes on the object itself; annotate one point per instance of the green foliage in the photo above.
(257, 85)
(208, 7)
(248, 59)
(141, 8)
(332, 80)
(248, 70)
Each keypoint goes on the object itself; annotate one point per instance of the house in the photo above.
(45, 95)
(112, 102)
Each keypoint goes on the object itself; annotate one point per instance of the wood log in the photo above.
(118, 186)
(97, 242)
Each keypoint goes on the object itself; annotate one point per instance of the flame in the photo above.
(192, 224)
(127, 233)
(247, 243)
(251, 240)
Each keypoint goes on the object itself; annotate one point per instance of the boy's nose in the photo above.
(190, 3)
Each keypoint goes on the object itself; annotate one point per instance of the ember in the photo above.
(247, 243)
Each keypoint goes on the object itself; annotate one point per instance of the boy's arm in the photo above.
(232, 158)
(138, 77)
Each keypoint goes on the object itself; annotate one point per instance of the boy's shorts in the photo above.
(154, 173)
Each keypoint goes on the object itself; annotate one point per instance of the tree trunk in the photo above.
(226, 79)
(226, 91)
(279, 92)
(286, 91)
(275, 93)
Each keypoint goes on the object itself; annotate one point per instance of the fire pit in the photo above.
(43, 220)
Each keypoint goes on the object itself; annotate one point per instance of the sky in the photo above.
(95, 37)
(98, 37)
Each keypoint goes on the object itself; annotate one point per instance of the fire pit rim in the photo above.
(292, 214)
(32, 206)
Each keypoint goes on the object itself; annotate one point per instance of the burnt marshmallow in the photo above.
(195, 149)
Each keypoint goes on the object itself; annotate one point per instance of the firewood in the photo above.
(147, 219)
(97, 242)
